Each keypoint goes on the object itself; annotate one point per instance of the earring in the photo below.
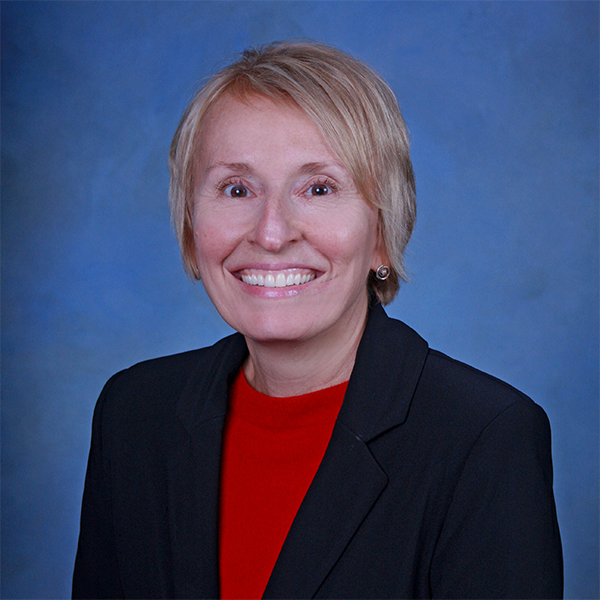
(383, 272)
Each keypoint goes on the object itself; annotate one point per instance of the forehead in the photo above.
(257, 123)
(233, 106)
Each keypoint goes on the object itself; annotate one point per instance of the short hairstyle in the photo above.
(355, 110)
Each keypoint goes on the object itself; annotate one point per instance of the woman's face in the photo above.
(284, 241)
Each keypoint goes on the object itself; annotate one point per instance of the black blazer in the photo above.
(437, 482)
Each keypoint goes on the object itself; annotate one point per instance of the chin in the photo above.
(275, 332)
(273, 327)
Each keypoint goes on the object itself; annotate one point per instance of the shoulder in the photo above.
(171, 371)
(402, 381)
(442, 383)
(445, 377)
(451, 396)
(458, 397)
(149, 389)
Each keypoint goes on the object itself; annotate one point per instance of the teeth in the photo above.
(280, 280)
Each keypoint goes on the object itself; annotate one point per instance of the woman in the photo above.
(324, 450)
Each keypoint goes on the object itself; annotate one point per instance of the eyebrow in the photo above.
(237, 167)
(245, 169)
(316, 167)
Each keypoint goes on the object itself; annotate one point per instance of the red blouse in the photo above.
(272, 448)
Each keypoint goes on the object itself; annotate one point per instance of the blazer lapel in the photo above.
(349, 480)
(192, 513)
(346, 486)
(194, 472)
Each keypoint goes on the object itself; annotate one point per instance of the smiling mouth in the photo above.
(277, 279)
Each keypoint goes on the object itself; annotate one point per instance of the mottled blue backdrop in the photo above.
(502, 102)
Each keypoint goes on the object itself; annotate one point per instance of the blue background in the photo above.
(502, 102)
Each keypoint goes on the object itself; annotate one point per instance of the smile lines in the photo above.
(276, 280)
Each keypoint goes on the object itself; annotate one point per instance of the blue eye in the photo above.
(236, 191)
(319, 189)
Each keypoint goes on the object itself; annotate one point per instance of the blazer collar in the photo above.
(388, 365)
(346, 486)
(205, 394)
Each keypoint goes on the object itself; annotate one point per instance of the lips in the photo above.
(276, 278)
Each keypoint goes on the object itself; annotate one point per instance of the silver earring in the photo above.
(383, 272)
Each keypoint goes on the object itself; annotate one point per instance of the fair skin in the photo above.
(284, 244)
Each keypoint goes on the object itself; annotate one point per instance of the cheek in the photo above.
(354, 237)
(209, 239)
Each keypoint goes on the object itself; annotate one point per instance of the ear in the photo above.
(380, 256)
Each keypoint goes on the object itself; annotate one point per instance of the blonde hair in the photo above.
(356, 112)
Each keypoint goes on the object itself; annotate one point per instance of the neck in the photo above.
(292, 368)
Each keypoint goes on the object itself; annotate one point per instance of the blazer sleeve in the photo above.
(96, 573)
(500, 538)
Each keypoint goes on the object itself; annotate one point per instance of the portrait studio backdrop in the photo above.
(501, 99)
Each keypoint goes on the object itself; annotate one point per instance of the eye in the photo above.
(321, 189)
(236, 191)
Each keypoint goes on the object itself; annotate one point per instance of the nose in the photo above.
(276, 225)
